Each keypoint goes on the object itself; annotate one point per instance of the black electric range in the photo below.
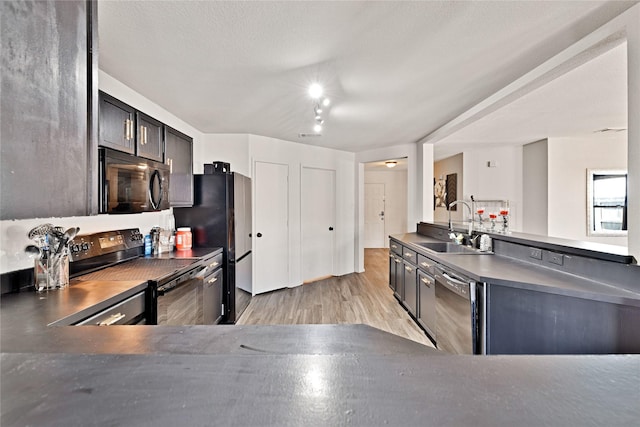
(119, 255)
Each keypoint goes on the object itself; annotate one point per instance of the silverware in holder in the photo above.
(51, 264)
(52, 272)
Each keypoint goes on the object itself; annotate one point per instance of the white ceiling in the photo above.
(395, 71)
(582, 102)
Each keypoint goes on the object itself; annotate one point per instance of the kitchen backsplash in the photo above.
(13, 233)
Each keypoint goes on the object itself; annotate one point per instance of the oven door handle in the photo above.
(202, 272)
(163, 290)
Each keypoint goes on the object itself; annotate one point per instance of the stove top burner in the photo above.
(140, 269)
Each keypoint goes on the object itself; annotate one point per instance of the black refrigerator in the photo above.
(221, 217)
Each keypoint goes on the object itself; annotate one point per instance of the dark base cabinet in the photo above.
(396, 276)
(392, 272)
(528, 322)
(410, 288)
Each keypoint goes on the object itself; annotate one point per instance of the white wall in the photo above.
(442, 168)
(395, 193)
(228, 148)
(14, 233)
(502, 182)
(425, 180)
(535, 188)
(569, 159)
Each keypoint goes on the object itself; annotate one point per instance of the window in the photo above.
(607, 202)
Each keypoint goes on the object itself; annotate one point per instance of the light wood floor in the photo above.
(354, 298)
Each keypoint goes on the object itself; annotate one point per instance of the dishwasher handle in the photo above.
(464, 288)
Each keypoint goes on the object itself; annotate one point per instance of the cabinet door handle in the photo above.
(424, 263)
(170, 165)
(409, 269)
(408, 255)
(212, 280)
(112, 319)
(214, 264)
(426, 281)
(330, 228)
(259, 235)
(394, 246)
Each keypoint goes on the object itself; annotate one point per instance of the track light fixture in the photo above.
(315, 92)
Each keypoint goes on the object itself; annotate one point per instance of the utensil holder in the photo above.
(51, 273)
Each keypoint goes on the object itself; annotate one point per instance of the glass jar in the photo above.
(183, 238)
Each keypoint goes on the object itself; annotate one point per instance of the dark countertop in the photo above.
(501, 270)
(288, 389)
(79, 300)
(595, 250)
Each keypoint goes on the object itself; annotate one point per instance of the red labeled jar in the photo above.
(183, 239)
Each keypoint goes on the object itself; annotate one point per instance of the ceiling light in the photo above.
(326, 102)
(319, 120)
(391, 164)
(317, 128)
(315, 91)
(318, 117)
(317, 109)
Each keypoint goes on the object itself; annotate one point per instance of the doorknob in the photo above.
(330, 228)
(259, 235)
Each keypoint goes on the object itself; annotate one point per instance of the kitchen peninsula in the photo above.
(287, 375)
(535, 295)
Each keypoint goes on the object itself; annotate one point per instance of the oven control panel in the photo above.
(92, 245)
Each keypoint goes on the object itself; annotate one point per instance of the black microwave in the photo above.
(130, 184)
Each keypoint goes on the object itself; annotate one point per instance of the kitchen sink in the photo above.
(448, 247)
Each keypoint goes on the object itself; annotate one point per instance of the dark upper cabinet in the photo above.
(179, 157)
(116, 124)
(46, 157)
(149, 138)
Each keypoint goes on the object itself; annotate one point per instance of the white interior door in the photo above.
(374, 213)
(271, 248)
(318, 222)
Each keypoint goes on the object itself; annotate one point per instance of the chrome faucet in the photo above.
(452, 204)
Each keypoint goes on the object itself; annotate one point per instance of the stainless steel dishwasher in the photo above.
(456, 312)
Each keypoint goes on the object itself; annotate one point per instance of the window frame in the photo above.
(591, 173)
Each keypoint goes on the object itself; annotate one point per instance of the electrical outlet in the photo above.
(535, 253)
(556, 258)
